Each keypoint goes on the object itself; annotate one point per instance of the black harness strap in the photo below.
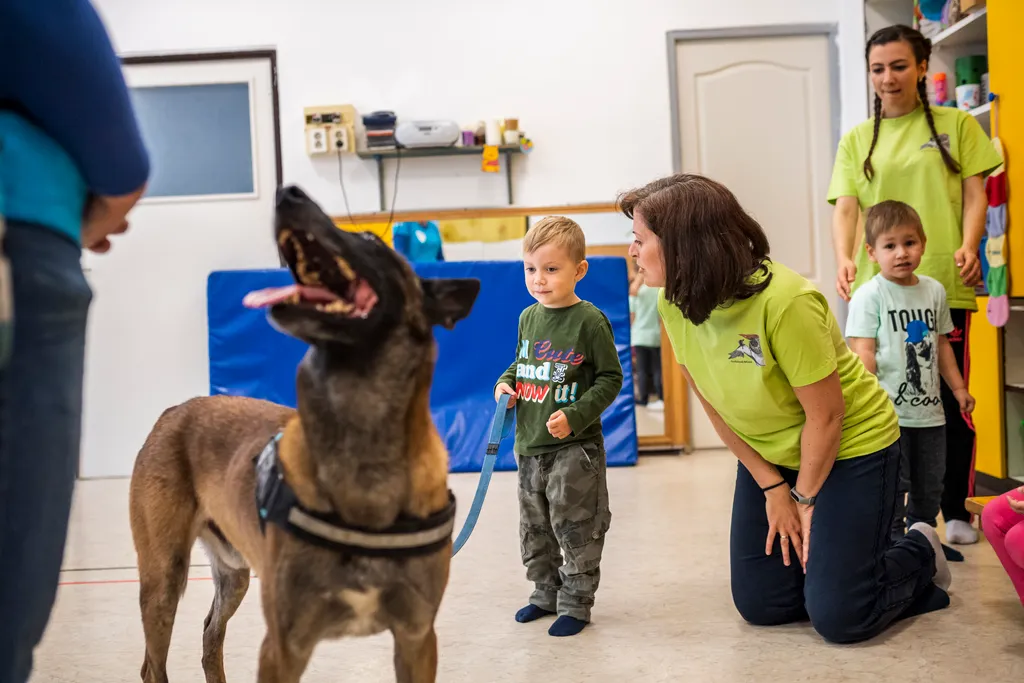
(277, 503)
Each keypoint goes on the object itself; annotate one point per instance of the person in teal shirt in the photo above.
(645, 333)
(72, 164)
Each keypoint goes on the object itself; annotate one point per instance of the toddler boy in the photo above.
(566, 373)
(897, 324)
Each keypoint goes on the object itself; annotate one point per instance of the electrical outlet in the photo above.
(316, 140)
(339, 138)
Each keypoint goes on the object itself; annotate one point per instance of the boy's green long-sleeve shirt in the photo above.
(565, 360)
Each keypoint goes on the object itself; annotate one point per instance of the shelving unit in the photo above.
(971, 30)
(1012, 366)
(379, 155)
(983, 113)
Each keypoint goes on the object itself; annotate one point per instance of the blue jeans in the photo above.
(40, 429)
(858, 581)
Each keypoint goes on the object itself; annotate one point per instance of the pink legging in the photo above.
(1004, 530)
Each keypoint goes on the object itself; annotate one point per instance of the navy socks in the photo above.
(563, 626)
(566, 626)
(531, 613)
(952, 555)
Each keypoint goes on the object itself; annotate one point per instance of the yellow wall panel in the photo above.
(986, 385)
(495, 229)
(1006, 66)
(381, 230)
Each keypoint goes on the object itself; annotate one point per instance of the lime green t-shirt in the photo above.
(747, 357)
(909, 168)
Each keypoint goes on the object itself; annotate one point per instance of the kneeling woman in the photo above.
(816, 436)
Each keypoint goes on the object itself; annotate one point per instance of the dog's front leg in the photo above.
(416, 657)
(280, 663)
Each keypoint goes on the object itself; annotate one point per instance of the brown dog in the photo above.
(341, 507)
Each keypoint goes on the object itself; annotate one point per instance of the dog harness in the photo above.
(277, 503)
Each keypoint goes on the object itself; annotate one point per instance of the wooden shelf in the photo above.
(458, 214)
(411, 152)
(970, 30)
(379, 155)
(982, 113)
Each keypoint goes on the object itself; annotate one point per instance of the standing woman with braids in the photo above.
(934, 159)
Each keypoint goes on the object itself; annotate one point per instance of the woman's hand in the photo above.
(969, 265)
(806, 512)
(96, 234)
(845, 277)
(106, 216)
(784, 520)
(844, 237)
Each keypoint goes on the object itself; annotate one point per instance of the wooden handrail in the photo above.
(457, 214)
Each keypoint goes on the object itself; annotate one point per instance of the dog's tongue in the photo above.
(274, 295)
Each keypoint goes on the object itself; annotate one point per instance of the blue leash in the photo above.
(501, 426)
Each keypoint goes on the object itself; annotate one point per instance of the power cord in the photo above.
(394, 196)
(341, 181)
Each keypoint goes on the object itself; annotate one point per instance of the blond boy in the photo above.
(565, 374)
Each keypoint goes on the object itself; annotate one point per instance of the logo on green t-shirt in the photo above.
(748, 350)
(943, 140)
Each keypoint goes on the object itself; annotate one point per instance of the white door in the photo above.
(757, 115)
(209, 127)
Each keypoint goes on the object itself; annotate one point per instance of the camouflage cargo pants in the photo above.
(563, 509)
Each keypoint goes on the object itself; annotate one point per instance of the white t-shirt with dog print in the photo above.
(905, 323)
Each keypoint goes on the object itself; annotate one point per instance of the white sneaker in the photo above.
(656, 405)
(960, 532)
(943, 577)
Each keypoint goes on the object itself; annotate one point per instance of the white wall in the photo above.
(588, 80)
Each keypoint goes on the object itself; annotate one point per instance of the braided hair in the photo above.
(922, 48)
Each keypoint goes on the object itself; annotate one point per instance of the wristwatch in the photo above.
(800, 499)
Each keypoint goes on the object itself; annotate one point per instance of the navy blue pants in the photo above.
(858, 581)
(40, 428)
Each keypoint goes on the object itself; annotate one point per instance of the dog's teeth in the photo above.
(335, 307)
(345, 268)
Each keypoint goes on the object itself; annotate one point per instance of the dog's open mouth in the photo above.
(323, 281)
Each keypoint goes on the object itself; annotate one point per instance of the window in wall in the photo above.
(199, 139)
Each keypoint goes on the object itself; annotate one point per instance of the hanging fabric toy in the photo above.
(996, 279)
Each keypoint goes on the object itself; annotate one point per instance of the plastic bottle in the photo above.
(941, 89)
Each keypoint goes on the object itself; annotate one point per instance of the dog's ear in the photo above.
(447, 301)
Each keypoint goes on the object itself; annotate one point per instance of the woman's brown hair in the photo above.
(922, 49)
(712, 247)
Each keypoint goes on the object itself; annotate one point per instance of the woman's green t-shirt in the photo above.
(909, 168)
(747, 357)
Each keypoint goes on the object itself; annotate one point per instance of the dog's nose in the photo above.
(289, 193)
